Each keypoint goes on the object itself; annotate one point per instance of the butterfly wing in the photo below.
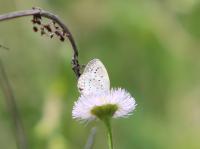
(94, 79)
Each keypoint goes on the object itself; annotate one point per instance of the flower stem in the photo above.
(107, 122)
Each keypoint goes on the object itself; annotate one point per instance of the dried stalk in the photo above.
(12, 108)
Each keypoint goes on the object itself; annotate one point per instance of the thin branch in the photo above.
(46, 14)
(12, 108)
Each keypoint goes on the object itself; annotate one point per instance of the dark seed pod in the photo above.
(48, 28)
(55, 25)
(33, 21)
(36, 19)
(42, 31)
(38, 22)
(62, 38)
(35, 29)
(51, 35)
(57, 33)
(38, 16)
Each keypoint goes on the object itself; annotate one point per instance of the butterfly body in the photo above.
(94, 79)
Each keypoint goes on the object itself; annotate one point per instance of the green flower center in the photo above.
(105, 111)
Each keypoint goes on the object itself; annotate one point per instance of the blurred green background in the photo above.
(151, 48)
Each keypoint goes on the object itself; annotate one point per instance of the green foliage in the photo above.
(149, 47)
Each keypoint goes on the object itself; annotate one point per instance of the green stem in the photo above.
(107, 122)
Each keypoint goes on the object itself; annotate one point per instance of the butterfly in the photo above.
(95, 79)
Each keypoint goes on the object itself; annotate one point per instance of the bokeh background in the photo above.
(151, 48)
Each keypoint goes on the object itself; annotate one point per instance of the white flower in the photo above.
(116, 102)
(97, 100)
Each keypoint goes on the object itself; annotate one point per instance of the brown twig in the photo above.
(46, 14)
(12, 108)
